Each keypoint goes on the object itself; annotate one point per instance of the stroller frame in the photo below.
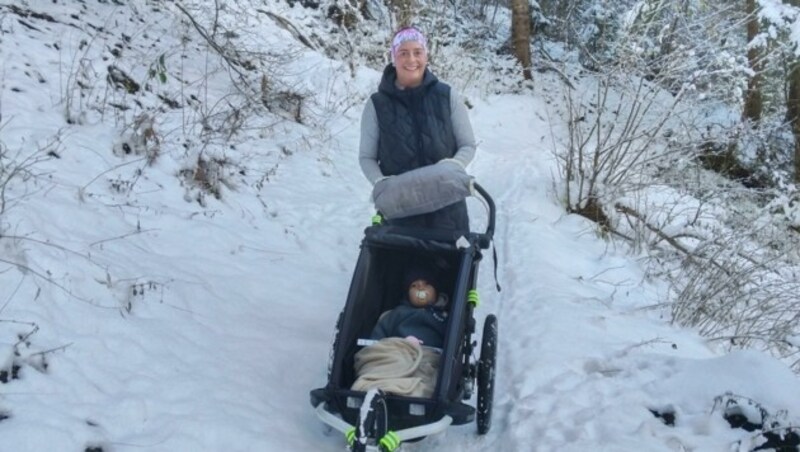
(385, 251)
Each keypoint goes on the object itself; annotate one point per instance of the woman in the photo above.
(414, 120)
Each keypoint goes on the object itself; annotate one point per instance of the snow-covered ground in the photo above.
(143, 320)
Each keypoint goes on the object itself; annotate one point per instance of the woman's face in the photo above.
(410, 61)
(421, 294)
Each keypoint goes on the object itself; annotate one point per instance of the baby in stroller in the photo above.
(422, 316)
(405, 360)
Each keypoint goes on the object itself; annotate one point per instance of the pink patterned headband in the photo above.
(405, 35)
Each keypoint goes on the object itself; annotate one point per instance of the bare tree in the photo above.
(793, 113)
(404, 11)
(753, 101)
(614, 136)
(521, 34)
(793, 106)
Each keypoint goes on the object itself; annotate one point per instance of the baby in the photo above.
(422, 315)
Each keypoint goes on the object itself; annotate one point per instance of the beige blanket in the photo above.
(397, 366)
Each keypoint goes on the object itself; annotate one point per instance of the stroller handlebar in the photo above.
(486, 238)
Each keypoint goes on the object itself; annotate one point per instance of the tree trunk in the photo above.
(404, 12)
(793, 114)
(753, 102)
(521, 35)
(793, 105)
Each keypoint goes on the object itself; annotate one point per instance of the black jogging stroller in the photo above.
(377, 421)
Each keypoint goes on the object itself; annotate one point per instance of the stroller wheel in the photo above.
(374, 420)
(486, 367)
(335, 344)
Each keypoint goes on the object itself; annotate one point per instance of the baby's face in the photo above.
(421, 294)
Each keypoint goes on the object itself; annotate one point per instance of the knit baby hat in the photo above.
(424, 271)
(405, 35)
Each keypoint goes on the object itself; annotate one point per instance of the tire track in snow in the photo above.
(507, 168)
(513, 306)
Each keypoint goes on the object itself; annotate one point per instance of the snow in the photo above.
(781, 16)
(147, 321)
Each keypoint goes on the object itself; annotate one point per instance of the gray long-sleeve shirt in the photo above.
(368, 148)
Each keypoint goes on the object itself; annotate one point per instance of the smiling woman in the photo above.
(410, 57)
(412, 121)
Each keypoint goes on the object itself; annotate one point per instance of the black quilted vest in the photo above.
(415, 125)
(416, 130)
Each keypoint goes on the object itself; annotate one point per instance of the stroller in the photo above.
(378, 421)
